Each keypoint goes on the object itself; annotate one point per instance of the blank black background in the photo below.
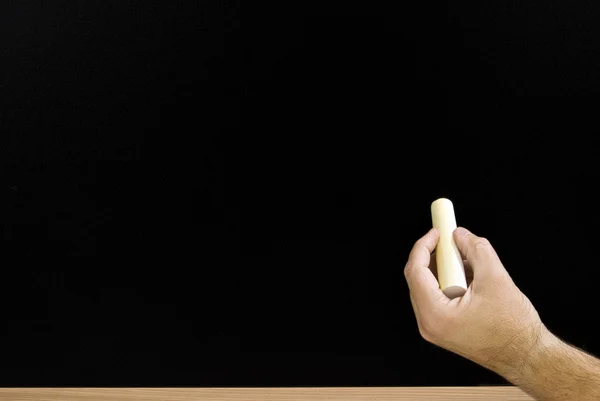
(217, 193)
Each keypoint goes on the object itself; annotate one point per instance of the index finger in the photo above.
(422, 283)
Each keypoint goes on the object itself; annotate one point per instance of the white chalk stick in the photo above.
(450, 269)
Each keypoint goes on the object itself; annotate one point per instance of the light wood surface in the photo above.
(265, 394)
(450, 269)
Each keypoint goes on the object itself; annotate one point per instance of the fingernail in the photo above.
(461, 231)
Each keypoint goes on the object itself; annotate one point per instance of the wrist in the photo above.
(528, 357)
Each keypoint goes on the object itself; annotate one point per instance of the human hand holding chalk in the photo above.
(490, 322)
(450, 268)
(477, 321)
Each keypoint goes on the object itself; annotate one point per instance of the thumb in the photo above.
(423, 285)
(479, 253)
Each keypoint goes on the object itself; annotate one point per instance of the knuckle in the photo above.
(498, 282)
(407, 270)
(482, 243)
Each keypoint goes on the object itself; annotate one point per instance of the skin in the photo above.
(494, 324)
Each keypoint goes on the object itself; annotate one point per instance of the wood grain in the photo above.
(265, 394)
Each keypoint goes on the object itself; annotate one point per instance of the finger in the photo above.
(466, 264)
(433, 265)
(468, 272)
(421, 251)
(468, 269)
(423, 286)
(478, 251)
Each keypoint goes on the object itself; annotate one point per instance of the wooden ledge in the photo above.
(266, 394)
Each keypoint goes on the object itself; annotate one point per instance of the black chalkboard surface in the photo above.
(225, 194)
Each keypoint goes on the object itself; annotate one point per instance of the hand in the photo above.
(493, 324)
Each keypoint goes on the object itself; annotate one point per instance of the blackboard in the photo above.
(225, 194)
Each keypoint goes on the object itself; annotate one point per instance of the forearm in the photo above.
(553, 370)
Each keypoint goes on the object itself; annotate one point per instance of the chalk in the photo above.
(450, 269)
